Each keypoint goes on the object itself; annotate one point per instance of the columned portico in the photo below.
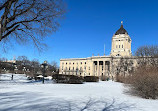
(101, 68)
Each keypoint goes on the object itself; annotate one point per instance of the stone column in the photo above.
(112, 68)
(98, 68)
(93, 68)
(104, 72)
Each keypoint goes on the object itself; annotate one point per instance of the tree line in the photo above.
(24, 65)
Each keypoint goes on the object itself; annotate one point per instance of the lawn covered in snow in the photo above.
(21, 94)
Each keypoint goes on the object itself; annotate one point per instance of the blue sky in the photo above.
(89, 24)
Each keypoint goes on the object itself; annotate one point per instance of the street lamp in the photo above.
(44, 66)
(24, 69)
(4, 70)
(15, 67)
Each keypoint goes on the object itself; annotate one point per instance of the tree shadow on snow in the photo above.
(29, 101)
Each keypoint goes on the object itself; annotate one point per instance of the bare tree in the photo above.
(54, 65)
(147, 55)
(147, 50)
(29, 20)
(124, 67)
(35, 66)
(52, 68)
(23, 60)
(3, 59)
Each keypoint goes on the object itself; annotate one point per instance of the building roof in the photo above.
(121, 30)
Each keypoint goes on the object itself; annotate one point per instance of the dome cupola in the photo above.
(121, 30)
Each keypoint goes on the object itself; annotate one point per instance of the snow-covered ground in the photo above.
(21, 94)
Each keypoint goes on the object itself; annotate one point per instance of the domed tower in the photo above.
(121, 43)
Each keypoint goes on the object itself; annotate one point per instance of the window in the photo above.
(85, 62)
(73, 63)
(73, 68)
(119, 46)
(81, 62)
(69, 68)
(125, 68)
(122, 46)
(66, 63)
(89, 68)
(70, 63)
(116, 46)
(85, 68)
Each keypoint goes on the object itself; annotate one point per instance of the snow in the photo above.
(40, 76)
(21, 94)
(48, 78)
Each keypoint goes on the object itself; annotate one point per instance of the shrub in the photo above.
(103, 78)
(91, 79)
(68, 79)
(120, 78)
(144, 82)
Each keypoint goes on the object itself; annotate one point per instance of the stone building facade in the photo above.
(121, 43)
(103, 65)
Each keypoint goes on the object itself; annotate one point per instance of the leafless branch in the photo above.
(32, 19)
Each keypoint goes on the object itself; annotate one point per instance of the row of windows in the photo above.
(74, 68)
(73, 63)
(75, 73)
(122, 40)
(119, 40)
(119, 46)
